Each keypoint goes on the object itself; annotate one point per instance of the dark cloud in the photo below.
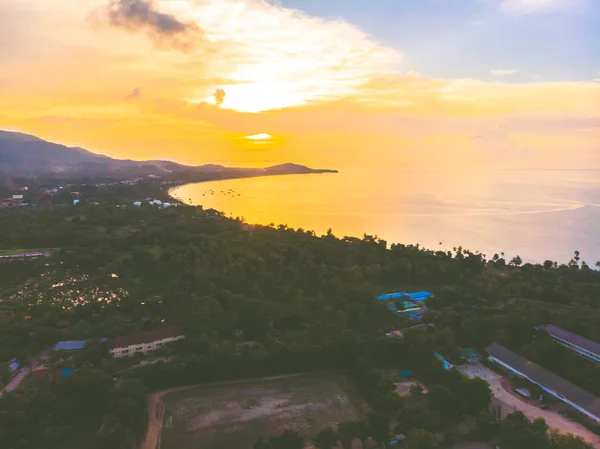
(135, 93)
(142, 15)
(219, 96)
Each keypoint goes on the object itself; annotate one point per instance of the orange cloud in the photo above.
(328, 91)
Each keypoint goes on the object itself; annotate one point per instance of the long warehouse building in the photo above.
(564, 391)
(581, 345)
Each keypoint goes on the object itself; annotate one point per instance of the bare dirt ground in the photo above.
(156, 409)
(234, 415)
(403, 388)
(510, 402)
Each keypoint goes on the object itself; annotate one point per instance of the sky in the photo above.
(329, 84)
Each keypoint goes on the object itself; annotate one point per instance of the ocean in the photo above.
(536, 214)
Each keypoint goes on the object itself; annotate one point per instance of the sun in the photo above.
(260, 137)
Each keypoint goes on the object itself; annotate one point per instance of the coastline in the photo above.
(426, 223)
(246, 176)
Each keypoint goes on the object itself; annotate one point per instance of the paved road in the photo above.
(514, 403)
(16, 381)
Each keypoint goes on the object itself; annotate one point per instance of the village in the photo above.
(516, 383)
(44, 366)
(562, 404)
(118, 193)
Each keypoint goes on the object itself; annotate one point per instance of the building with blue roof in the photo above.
(415, 296)
(420, 296)
(410, 305)
(388, 296)
(445, 363)
(72, 345)
(13, 364)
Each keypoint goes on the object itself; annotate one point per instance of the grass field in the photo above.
(233, 416)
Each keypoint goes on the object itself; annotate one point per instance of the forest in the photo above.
(258, 300)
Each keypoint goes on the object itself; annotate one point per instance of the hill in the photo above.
(23, 155)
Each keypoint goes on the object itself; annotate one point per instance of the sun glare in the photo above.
(260, 137)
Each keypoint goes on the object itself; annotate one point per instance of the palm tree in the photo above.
(362, 432)
(262, 443)
(347, 432)
(288, 440)
(325, 439)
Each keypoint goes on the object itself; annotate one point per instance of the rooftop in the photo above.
(419, 296)
(546, 378)
(445, 363)
(70, 345)
(415, 296)
(145, 337)
(570, 337)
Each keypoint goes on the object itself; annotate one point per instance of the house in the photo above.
(582, 401)
(73, 345)
(21, 255)
(137, 203)
(155, 202)
(75, 202)
(410, 305)
(165, 205)
(582, 346)
(143, 342)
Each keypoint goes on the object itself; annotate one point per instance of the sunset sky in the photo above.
(326, 83)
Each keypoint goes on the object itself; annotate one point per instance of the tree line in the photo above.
(255, 301)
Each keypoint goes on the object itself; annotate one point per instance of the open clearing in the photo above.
(403, 388)
(234, 415)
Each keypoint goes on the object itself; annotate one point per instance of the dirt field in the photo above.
(234, 415)
(403, 388)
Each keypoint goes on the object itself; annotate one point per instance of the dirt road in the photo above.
(156, 411)
(512, 403)
(16, 381)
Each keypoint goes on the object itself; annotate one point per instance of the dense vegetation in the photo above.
(255, 301)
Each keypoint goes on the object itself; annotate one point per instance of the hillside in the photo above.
(23, 155)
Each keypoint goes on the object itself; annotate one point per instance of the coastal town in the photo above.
(320, 341)
(299, 224)
(93, 194)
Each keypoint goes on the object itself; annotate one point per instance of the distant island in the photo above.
(23, 156)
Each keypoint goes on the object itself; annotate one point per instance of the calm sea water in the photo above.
(539, 215)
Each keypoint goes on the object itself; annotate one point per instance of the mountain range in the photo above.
(27, 156)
